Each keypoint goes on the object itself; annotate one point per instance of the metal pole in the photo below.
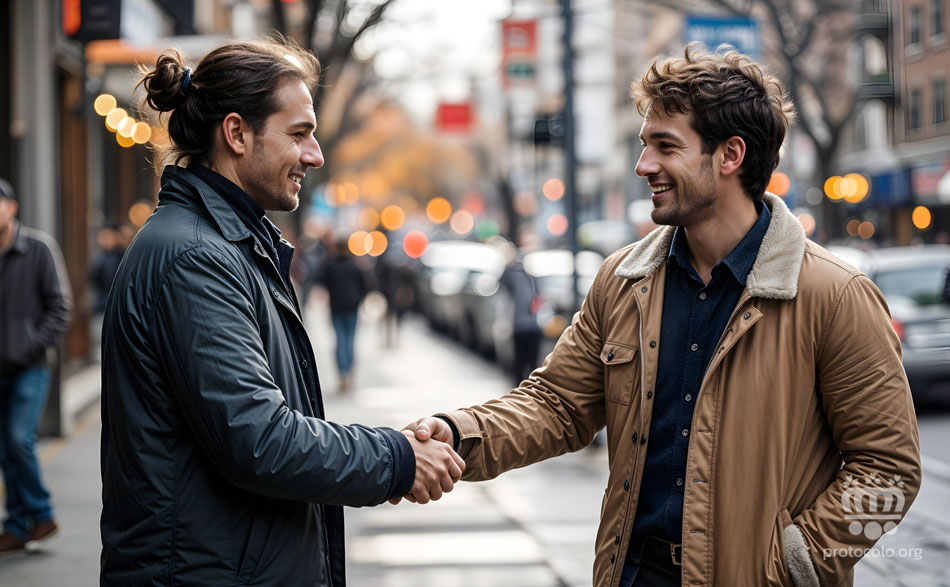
(570, 156)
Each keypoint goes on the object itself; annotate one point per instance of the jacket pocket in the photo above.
(777, 566)
(261, 525)
(620, 371)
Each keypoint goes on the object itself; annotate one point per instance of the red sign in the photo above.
(72, 17)
(457, 117)
(519, 37)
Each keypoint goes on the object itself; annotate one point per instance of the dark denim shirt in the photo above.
(253, 217)
(694, 317)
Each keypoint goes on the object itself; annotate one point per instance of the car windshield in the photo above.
(922, 284)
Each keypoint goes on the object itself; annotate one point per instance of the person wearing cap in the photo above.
(35, 306)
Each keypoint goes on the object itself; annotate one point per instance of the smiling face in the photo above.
(273, 170)
(680, 175)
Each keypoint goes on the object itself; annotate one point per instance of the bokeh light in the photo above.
(357, 243)
(139, 213)
(159, 137)
(349, 194)
(369, 219)
(438, 210)
(392, 217)
(486, 230)
(114, 117)
(808, 223)
(921, 217)
(779, 184)
(866, 230)
(124, 141)
(415, 244)
(104, 104)
(857, 187)
(462, 222)
(853, 225)
(557, 224)
(813, 196)
(473, 202)
(378, 243)
(553, 189)
(126, 127)
(141, 133)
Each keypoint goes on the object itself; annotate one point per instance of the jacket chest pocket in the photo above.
(620, 371)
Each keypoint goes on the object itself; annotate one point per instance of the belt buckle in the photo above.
(676, 554)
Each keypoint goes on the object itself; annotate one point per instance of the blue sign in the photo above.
(712, 31)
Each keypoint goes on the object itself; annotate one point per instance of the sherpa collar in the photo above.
(774, 274)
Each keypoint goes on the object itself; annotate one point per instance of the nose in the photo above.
(312, 155)
(647, 164)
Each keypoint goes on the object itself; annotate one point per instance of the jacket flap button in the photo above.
(610, 356)
(747, 315)
(616, 354)
(643, 289)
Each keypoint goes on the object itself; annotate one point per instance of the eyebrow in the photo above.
(660, 135)
(303, 125)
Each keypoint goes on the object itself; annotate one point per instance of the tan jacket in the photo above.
(804, 409)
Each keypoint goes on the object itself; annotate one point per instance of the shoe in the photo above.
(43, 530)
(10, 544)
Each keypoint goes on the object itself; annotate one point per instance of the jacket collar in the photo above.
(19, 243)
(178, 180)
(775, 272)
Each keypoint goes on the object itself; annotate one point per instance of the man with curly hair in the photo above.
(746, 377)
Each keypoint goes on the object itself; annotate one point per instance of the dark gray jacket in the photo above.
(35, 300)
(217, 467)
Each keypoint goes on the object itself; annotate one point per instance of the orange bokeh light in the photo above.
(392, 217)
(779, 184)
(462, 222)
(357, 243)
(921, 217)
(866, 230)
(438, 210)
(808, 223)
(415, 244)
(369, 219)
(378, 244)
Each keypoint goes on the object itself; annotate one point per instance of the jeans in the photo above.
(21, 401)
(647, 569)
(344, 324)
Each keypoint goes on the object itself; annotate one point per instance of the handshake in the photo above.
(438, 467)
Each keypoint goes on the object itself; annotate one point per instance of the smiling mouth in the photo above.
(661, 188)
(296, 178)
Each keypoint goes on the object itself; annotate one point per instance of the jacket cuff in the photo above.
(800, 565)
(455, 431)
(404, 462)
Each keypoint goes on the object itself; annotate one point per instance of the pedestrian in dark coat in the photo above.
(35, 306)
(347, 284)
(218, 467)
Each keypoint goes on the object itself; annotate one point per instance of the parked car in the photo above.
(912, 280)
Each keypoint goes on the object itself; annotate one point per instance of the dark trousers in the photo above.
(649, 567)
(527, 345)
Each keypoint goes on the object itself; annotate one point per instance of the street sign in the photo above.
(519, 40)
(712, 31)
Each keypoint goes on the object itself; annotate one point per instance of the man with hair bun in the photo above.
(218, 467)
(750, 382)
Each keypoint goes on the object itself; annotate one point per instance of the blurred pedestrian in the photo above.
(105, 264)
(347, 284)
(35, 306)
(218, 467)
(751, 383)
(397, 283)
(526, 302)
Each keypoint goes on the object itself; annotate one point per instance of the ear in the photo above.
(236, 133)
(733, 154)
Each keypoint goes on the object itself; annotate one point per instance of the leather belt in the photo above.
(660, 547)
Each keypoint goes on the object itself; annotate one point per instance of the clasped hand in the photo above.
(438, 467)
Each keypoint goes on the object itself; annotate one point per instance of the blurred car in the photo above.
(912, 280)
(447, 270)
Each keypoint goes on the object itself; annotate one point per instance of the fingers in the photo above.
(438, 468)
(431, 427)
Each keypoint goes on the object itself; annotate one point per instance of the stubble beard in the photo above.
(692, 199)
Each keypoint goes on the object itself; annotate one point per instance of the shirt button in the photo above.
(303, 363)
(694, 347)
(702, 295)
(688, 397)
(626, 485)
(679, 481)
(685, 432)
(652, 344)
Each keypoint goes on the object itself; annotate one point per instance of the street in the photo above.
(531, 527)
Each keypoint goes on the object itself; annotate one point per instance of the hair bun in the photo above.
(163, 85)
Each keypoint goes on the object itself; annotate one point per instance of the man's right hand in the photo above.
(431, 427)
(438, 468)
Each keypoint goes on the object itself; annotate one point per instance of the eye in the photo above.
(666, 146)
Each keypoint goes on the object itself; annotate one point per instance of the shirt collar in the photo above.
(740, 259)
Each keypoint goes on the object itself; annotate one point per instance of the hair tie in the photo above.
(186, 82)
